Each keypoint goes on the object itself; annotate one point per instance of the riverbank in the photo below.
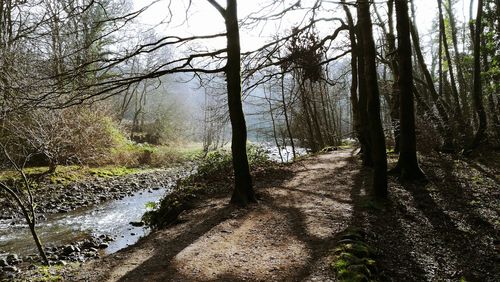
(54, 198)
(301, 230)
(83, 220)
(85, 213)
(447, 229)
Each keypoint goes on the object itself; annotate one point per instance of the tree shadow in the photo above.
(416, 238)
(152, 270)
(459, 226)
(318, 247)
(429, 232)
(203, 217)
(382, 230)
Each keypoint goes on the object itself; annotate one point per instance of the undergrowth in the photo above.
(214, 176)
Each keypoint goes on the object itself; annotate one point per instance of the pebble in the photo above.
(64, 198)
(13, 259)
(68, 250)
(103, 245)
(10, 268)
(137, 223)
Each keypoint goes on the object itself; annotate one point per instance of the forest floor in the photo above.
(447, 229)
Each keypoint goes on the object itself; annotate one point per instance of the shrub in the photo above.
(215, 163)
(212, 177)
(428, 139)
(67, 136)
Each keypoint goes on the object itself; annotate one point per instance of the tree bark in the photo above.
(364, 138)
(313, 145)
(315, 115)
(287, 120)
(373, 102)
(453, 86)
(407, 162)
(354, 73)
(460, 73)
(243, 192)
(477, 87)
(395, 115)
(271, 114)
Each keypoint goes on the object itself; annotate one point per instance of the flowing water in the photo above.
(273, 152)
(112, 218)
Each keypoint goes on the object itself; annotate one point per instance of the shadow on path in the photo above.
(422, 233)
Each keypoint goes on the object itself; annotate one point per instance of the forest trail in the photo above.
(287, 237)
(447, 229)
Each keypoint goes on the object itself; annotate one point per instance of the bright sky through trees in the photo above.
(202, 18)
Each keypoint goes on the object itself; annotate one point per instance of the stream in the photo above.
(111, 218)
(273, 152)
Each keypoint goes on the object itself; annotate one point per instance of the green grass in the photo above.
(62, 174)
(111, 171)
(68, 174)
(128, 158)
(52, 273)
(135, 155)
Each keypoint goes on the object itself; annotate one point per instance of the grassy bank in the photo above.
(125, 159)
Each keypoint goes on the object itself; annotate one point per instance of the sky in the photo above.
(202, 18)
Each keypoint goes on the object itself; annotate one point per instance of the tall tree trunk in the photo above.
(243, 190)
(490, 57)
(357, 128)
(391, 42)
(325, 103)
(477, 87)
(407, 162)
(307, 115)
(453, 86)
(315, 115)
(441, 91)
(287, 120)
(373, 102)
(392, 97)
(271, 114)
(460, 73)
(365, 138)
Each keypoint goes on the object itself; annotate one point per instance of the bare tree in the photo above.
(377, 139)
(243, 189)
(407, 163)
(477, 93)
(23, 197)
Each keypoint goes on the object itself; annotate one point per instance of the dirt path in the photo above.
(287, 237)
(447, 229)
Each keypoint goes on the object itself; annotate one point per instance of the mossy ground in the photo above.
(354, 260)
(50, 273)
